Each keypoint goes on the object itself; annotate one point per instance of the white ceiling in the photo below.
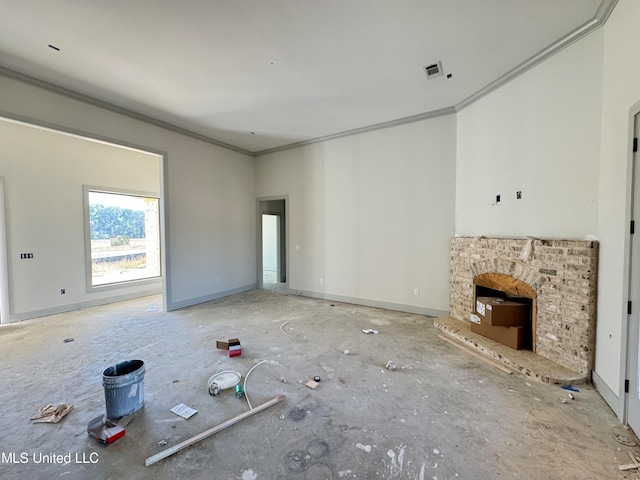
(287, 70)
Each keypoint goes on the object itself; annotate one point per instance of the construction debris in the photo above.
(232, 345)
(629, 466)
(183, 411)
(391, 365)
(282, 329)
(246, 396)
(312, 384)
(108, 431)
(105, 430)
(370, 331)
(570, 388)
(239, 391)
(222, 381)
(626, 441)
(51, 414)
(170, 451)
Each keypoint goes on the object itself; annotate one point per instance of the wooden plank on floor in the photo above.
(491, 362)
(201, 436)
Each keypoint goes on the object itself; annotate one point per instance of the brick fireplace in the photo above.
(559, 276)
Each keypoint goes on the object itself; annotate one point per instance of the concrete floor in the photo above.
(442, 414)
(270, 282)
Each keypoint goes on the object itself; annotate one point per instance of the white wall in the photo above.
(370, 214)
(538, 134)
(562, 133)
(208, 192)
(621, 92)
(44, 173)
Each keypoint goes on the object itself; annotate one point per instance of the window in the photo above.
(123, 237)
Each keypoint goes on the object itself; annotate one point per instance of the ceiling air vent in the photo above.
(432, 71)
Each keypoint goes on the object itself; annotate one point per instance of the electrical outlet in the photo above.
(497, 198)
(416, 292)
(518, 195)
(63, 291)
(26, 255)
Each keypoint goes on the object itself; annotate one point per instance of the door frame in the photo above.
(631, 416)
(5, 307)
(261, 206)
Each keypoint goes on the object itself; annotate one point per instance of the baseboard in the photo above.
(19, 317)
(399, 307)
(208, 298)
(613, 400)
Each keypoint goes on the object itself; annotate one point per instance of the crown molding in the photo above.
(36, 82)
(598, 20)
(356, 131)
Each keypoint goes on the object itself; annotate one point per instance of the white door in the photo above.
(633, 368)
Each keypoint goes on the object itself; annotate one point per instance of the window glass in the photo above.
(124, 236)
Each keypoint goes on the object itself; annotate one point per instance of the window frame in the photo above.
(91, 288)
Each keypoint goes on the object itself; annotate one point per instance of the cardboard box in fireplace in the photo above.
(500, 312)
(514, 337)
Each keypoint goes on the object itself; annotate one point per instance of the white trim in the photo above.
(164, 228)
(369, 128)
(208, 298)
(598, 20)
(614, 401)
(625, 341)
(5, 306)
(429, 312)
(19, 317)
(74, 132)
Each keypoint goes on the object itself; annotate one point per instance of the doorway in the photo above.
(633, 333)
(53, 256)
(272, 244)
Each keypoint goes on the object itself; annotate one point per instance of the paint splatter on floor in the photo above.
(249, 475)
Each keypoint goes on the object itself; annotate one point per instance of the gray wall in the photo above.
(208, 197)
